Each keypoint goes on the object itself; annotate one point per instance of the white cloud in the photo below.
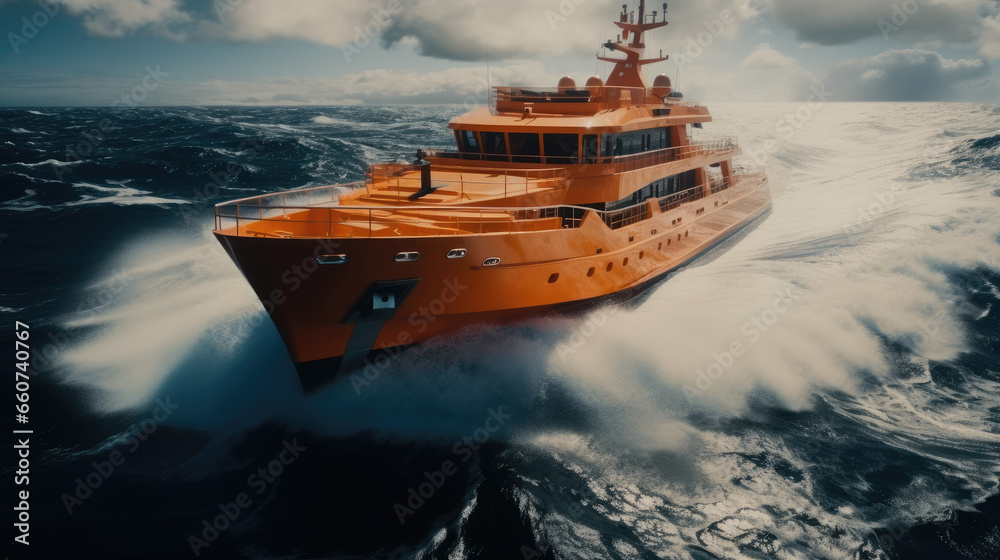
(454, 85)
(910, 75)
(117, 18)
(765, 57)
(970, 23)
(437, 28)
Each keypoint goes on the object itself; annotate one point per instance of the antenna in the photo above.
(680, 59)
(489, 85)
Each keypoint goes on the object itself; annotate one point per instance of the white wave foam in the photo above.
(49, 162)
(120, 195)
(161, 301)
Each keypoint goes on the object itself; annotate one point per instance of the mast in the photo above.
(628, 71)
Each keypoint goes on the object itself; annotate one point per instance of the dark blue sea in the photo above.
(825, 387)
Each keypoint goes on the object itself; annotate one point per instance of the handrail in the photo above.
(664, 155)
(572, 215)
(611, 95)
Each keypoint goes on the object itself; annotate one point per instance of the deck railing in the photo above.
(607, 95)
(267, 216)
(622, 163)
(403, 180)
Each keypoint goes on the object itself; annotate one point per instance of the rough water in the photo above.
(826, 386)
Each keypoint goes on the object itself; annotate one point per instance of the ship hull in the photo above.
(339, 319)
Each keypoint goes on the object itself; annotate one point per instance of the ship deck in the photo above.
(316, 213)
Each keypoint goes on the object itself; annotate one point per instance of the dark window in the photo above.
(636, 142)
(562, 148)
(657, 189)
(687, 180)
(590, 148)
(468, 141)
(494, 143)
(525, 146)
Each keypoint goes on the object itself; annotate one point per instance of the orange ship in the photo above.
(554, 200)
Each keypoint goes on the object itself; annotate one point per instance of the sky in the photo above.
(332, 52)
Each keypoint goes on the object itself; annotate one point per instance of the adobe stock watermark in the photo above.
(223, 7)
(753, 330)
(258, 481)
(93, 138)
(884, 201)
(202, 198)
(364, 35)
(901, 14)
(695, 46)
(789, 125)
(59, 341)
(293, 278)
(567, 8)
(541, 545)
(420, 320)
(464, 450)
(31, 26)
(579, 335)
(102, 470)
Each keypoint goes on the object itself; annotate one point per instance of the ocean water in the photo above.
(826, 386)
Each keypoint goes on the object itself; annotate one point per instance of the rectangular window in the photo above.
(590, 148)
(524, 147)
(469, 141)
(610, 141)
(495, 144)
(562, 148)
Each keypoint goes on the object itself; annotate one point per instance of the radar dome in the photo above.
(566, 83)
(594, 84)
(662, 86)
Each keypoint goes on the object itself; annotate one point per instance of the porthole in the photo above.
(407, 257)
(332, 259)
(554, 278)
(642, 254)
(660, 246)
(590, 273)
(492, 261)
(610, 266)
(457, 253)
(625, 262)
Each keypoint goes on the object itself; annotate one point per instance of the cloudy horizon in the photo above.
(311, 52)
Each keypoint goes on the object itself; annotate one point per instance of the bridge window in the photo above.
(495, 144)
(468, 142)
(590, 145)
(636, 142)
(525, 147)
(562, 148)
